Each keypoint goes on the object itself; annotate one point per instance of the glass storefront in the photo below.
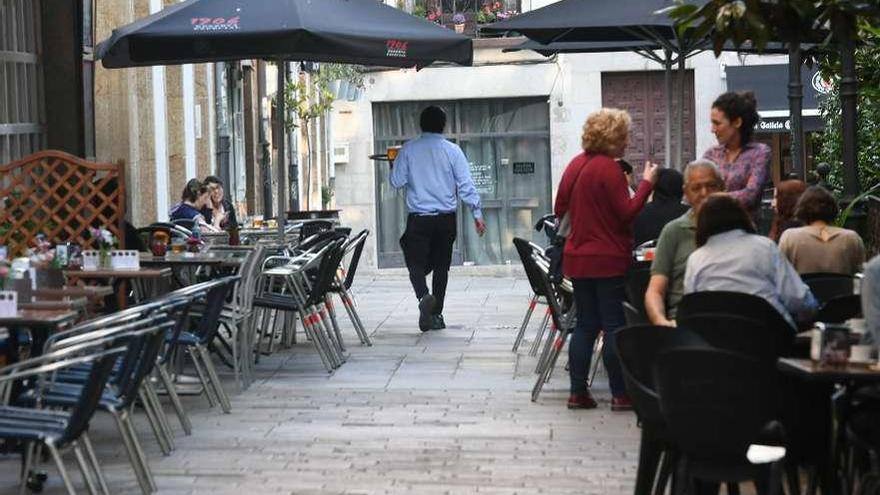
(507, 142)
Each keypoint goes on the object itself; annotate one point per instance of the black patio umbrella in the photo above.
(622, 25)
(627, 21)
(343, 31)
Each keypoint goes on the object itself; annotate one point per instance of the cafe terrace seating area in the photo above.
(274, 365)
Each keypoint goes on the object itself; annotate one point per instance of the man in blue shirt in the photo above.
(435, 173)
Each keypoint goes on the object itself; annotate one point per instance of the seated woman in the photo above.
(218, 211)
(731, 257)
(818, 246)
(665, 206)
(785, 198)
(194, 197)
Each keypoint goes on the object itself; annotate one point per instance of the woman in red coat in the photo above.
(598, 251)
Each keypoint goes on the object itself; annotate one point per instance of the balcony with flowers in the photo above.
(463, 16)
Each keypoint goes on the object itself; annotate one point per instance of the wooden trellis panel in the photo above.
(61, 196)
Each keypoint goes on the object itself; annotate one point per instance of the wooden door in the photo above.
(642, 94)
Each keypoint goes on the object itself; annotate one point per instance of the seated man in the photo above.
(676, 242)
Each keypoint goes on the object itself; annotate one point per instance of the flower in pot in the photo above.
(458, 21)
(105, 242)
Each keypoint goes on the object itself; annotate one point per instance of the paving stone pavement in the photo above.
(445, 412)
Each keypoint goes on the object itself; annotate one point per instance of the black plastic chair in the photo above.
(740, 334)
(186, 223)
(638, 348)
(636, 284)
(841, 308)
(312, 227)
(524, 249)
(58, 430)
(740, 305)
(827, 286)
(717, 404)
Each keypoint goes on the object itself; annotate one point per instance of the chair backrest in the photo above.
(747, 336)
(715, 403)
(633, 316)
(636, 284)
(326, 272)
(737, 304)
(638, 348)
(215, 299)
(311, 227)
(827, 286)
(186, 223)
(319, 239)
(356, 247)
(90, 393)
(552, 292)
(524, 250)
(840, 308)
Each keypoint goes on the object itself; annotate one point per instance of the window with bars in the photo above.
(22, 112)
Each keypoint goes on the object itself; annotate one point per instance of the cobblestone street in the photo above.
(441, 412)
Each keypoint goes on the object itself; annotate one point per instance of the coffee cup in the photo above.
(861, 353)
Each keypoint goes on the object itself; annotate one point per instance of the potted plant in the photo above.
(104, 242)
(458, 21)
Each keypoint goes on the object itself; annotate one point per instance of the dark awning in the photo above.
(770, 85)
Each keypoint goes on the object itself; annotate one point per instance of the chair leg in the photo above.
(136, 443)
(558, 344)
(533, 351)
(154, 424)
(331, 311)
(175, 399)
(141, 474)
(209, 392)
(29, 455)
(548, 347)
(649, 458)
(65, 478)
(214, 379)
(794, 480)
(597, 356)
(333, 332)
(525, 323)
(159, 411)
(84, 469)
(96, 467)
(348, 303)
(311, 334)
(666, 467)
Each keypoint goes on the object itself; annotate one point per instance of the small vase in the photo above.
(459, 28)
(104, 259)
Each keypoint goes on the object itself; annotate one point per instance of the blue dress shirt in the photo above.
(435, 173)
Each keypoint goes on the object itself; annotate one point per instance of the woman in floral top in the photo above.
(745, 165)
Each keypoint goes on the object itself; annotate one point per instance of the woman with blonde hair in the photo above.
(598, 250)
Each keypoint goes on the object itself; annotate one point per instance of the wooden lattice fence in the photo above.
(61, 196)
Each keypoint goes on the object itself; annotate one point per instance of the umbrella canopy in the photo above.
(593, 20)
(342, 31)
(583, 47)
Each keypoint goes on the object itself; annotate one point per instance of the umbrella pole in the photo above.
(795, 106)
(667, 82)
(679, 136)
(279, 136)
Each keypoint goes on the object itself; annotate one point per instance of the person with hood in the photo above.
(665, 206)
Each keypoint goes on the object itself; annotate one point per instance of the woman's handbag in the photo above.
(563, 230)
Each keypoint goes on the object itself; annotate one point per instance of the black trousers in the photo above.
(427, 247)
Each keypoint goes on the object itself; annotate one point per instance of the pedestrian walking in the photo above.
(435, 174)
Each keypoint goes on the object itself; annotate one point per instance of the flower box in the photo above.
(91, 260)
(125, 259)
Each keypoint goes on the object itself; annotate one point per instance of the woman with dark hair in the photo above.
(194, 197)
(598, 251)
(665, 206)
(731, 257)
(744, 164)
(818, 246)
(785, 197)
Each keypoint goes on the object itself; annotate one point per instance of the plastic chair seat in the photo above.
(30, 431)
(283, 302)
(187, 339)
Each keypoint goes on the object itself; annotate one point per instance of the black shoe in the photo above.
(437, 322)
(426, 306)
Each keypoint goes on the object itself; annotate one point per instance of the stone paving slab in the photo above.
(443, 412)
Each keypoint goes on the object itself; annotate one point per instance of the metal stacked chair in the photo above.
(300, 286)
(525, 249)
(60, 430)
(562, 312)
(342, 286)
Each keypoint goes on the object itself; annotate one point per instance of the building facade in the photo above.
(518, 116)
